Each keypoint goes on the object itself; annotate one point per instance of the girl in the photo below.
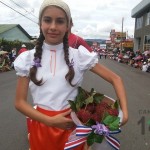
(53, 71)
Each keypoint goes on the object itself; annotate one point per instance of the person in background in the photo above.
(5, 63)
(144, 67)
(75, 41)
(14, 53)
(148, 69)
(1, 48)
(23, 49)
(53, 71)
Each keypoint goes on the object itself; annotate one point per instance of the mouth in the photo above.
(52, 35)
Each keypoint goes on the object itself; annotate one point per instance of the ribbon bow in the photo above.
(71, 64)
(83, 131)
(37, 62)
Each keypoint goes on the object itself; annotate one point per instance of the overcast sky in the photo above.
(92, 18)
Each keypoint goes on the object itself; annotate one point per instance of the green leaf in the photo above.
(78, 106)
(90, 122)
(109, 119)
(82, 95)
(112, 122)
(98, 97)
(114, 125)
(98, 138)
(116, 104)
(90, 139)
(104, 116)
(72, 105)
(89, 100)
(80, 98)
(92, 90)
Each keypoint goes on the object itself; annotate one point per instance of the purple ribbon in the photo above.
(100, 129)
(37, 62)
(71, 64)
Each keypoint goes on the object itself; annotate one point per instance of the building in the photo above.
(117, 36)
(119, 41)
(141, 13)
(13, 32)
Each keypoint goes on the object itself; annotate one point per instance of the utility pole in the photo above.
(122, 36)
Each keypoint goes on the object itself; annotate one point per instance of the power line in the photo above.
(18, 12)
(23, 8)
(15, 17)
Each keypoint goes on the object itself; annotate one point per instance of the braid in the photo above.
(70, 75)
(37, 54)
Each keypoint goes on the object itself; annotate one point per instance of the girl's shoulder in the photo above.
(83, 57)
(82, 52)
(26, 53)
(24, 62)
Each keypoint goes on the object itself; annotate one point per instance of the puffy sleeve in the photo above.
(22, 64)
(87, 59)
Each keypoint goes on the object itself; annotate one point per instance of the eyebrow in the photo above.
(56, 18)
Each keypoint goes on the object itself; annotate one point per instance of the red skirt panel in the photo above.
(43, 137)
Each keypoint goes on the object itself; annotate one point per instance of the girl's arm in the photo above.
(24, 107)
(118, 85)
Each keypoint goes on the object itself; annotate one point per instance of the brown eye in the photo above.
(47, 19)
(60, 21)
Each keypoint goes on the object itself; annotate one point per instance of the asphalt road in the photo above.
(135, 134)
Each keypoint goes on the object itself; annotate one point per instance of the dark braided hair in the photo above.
(70, 75)
(37, 54)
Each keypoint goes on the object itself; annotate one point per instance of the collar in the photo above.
(52, 47)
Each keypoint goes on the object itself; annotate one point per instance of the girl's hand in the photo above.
(124, 120)
(61, 121)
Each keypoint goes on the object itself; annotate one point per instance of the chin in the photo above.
(53, 42)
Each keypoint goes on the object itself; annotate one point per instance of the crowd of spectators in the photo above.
(7, 58)
(135, 59)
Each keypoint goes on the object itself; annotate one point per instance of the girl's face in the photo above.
(54, 25)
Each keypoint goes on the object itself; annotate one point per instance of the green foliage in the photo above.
(92, 137)
(98, 97)
(9, 45)
(84, 98)
(72, 105)
(112, 122)
(80, 100)
(90, 122)
(116, 104)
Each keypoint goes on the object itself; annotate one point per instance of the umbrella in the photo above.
(138, 58)
(111, 54)
(120, 56)
(115, 50)
(138, 50)
(146, 52)
(126, 57)
(3, 52)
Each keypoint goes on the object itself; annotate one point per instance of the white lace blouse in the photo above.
(56, 90)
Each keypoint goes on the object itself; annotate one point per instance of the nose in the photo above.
(53, 25)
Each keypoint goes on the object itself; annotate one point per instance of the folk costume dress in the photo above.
(51, 98)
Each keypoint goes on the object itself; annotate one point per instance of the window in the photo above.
(147, 42)
(139, 43)
(139, 22)
(148, 19)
